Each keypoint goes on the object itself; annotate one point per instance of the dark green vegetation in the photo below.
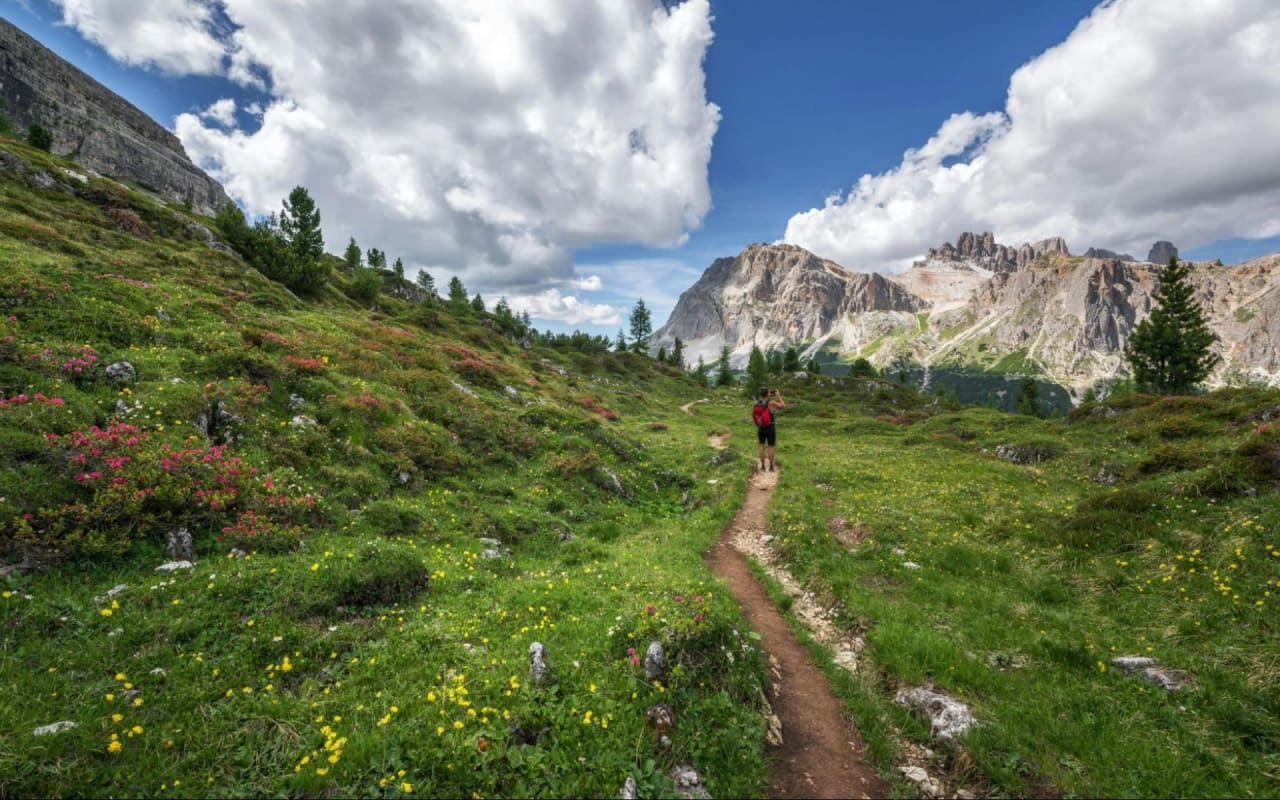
(426, 488)
(419, 497)
(1169, 350)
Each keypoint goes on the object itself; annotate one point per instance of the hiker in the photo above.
(762, 414)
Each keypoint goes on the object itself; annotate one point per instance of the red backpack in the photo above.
(761, 415)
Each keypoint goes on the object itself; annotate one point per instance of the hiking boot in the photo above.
(762, 466)
(771, 466)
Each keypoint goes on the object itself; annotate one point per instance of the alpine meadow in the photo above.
(397, 485)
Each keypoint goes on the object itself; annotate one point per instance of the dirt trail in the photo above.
(819, 753)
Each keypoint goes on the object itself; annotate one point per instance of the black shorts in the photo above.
(767, 435)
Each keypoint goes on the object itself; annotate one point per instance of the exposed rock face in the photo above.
(1098, 252)
(95, 127)
(1036, 308)
(773, 296)
(1161, 252)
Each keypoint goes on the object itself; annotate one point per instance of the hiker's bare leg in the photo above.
(770, 456)
(762, 455)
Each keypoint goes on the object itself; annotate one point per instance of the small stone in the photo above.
(403, 477)
(180, 545)
(511, 391)
(537, 662)
(689, 783)
(54, 727)
(121, 372)
(236, 552)
(173, 566)
(948, 717)
(628, 789)
(655, 663)
(110, 593)
(303, 421)
(296, 401)
(910, 565)
(122, 407)
(567, 536)
(159, 671)
(929, 787)
(463, 389)
(163, 315)
(661, 717)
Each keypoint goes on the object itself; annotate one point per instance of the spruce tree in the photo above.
(791, 360)
(1169, 352)
(458, 301)
(477, 304)
(620, 344)
(1029, 397)
(398, 270)
(300, 225)
(677, 354)
(700, 372)
(662, 354)
(757, 372)
(428, 285)
(724, 373)
(351, 257)
(641, 327)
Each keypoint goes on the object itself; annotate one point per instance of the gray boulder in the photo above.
(121, 372)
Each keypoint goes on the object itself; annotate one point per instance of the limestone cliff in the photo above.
(773, 296)
(1034, 309)
(95, 127)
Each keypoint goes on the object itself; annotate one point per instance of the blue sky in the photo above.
(488, 148)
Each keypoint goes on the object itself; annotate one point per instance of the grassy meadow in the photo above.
(389, 506)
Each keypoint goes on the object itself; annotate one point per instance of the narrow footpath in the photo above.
(817, 752)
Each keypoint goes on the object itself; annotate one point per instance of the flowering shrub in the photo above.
(593, 405)
(479, 372)
(299, 365)
(125, 485)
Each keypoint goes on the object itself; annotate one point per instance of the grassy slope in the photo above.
(1033, 577)
(387, 656)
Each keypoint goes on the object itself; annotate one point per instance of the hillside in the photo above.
(390, 507)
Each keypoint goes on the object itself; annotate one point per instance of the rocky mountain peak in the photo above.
(1161, 252)
(982, 251)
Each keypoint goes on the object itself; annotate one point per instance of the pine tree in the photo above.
(351, 258)
(641, 327)
(662, 354)
(398, 270)
(791, 360)
(1029, 397)
(757, 372)
(620, 344)
(1169, 352)
(700, 372)
(774, 363)
(477, 304)
(300, 225)
(428, 285)
(677, 354)
(39, 137)
(724, 373)
(458, 302)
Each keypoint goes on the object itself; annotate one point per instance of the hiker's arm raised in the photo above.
(778, 401)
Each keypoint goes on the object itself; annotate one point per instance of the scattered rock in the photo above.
(629, 789)
(773, 725)
(1171, 680)
(929, 787)
(721, 457)
(174, 566)
(511, 391)
(567, 536)
(180, 546)
(910, 565)
(1105, 478)
(159, 672)
(54, 727)
(614, 484)
(110, 593)
(303, 421)
(43, 180)
(948, 717)
(403, 477)
(123, 408)
(296, 401)
(463, 389)
(661, 718)
(121, 372)
(1024, 454)
(1106, 412)
(236, 552)
(537, 663)
(11, 163)
(655, 663)
(163, 315)
(689, 783)
(493, 548)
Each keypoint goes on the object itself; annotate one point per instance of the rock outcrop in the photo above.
(771, 297)
(1098, 252)
(1031, 310)
(1161, 252)
(95, 127)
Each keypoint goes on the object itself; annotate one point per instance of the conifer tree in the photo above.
(662, 354)
(301, 266)
(641, 327)
(791, 360)
(428, 285)
(477, 304)
(700, 372)
(458, 302)
(724, 373)
(620, 344)
(677, 354)
(757, 372)
(1169, 352)
(1028, 401)
(398, 270)
(351, 257)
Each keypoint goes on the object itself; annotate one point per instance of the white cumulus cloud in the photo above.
(222, 112)
(551, 304)
(487, 140)
(176, 36)
(1152, 120)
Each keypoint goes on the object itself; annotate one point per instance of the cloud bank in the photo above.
(486, 140)
(1152, 120)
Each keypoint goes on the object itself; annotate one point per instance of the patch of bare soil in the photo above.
(816, 752)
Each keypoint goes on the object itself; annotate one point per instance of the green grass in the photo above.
(367, 633)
